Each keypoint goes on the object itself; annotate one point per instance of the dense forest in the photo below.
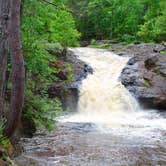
(30, 30)
(120, 20)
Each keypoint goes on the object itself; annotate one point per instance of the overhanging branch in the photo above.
(54, 4)
(49, 3)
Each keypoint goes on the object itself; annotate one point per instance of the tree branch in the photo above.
(49, 3)
(54, 4)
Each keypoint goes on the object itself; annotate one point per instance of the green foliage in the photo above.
(62, 29)
(123, 20)
(93, 42)
(41, 110)
(109, 19)
(158, 72)
(154, 28)
(43, 23)
(69, 72)
(4, 144)
(3, 140)
(44, 27)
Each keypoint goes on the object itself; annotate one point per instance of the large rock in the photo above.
(80, 68)
(68, 93)
(145, 74)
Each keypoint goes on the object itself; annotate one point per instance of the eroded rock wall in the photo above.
(145, 73)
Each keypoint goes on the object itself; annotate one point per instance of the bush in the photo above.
(93, 42)
(41, 110)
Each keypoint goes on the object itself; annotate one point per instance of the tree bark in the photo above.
(4, 20)
(17, 70)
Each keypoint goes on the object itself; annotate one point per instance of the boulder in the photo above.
(67, 92)
(145, 75)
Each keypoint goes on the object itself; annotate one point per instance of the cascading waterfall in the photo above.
(102, 92)
(104, 100)
(102, 95)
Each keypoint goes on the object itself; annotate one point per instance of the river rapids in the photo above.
(109, 128)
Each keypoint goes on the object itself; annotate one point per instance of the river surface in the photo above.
(109, 128)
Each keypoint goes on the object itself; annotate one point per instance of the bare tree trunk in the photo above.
(18, 71)
(4, 20)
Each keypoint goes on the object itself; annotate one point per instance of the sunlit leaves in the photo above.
(42, 25)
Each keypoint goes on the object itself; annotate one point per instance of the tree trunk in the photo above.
(4, 20)
(18, 71)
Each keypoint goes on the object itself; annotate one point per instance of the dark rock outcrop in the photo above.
(145, 74)
(80, 68)
(68, 93)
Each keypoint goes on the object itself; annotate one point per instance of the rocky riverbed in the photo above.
(131, 138)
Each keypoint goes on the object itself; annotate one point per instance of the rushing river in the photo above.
(109, 128)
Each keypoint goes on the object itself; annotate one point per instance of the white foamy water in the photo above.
(104, 100)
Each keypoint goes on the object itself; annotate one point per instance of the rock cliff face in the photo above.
(68, 93)
(145, 73)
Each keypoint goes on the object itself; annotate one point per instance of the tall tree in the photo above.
(17, 70)
(4, 20)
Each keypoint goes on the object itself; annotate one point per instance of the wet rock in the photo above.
(80, 69)
(84, 43)
(145, 75)
(151, 62)
(68, 93)
(132, 61)
(88, 69)
(122, 54)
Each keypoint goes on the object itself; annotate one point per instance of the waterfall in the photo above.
(103, 100)
(102, 96)
(102, 92)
